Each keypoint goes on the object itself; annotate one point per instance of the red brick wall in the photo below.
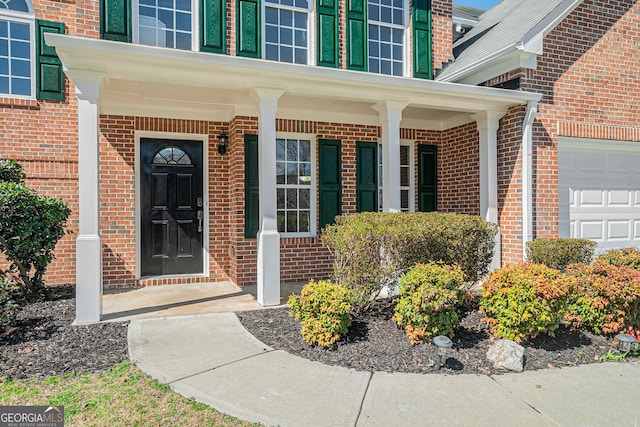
(442, 27)
(589, 79)
(42, 135)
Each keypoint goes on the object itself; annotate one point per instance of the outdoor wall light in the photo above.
(223, 138)
(624, 342)
(443, 343)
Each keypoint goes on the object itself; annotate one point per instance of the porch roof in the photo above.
(161, 82)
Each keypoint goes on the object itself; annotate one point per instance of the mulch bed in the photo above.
(43, 342)
(375, 343)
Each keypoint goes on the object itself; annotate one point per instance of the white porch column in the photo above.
(390, 113)
(88, 245)
(488, 123)
(268, 236)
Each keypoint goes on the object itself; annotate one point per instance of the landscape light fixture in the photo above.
(443, 343)
(624, 342)
(223, 138)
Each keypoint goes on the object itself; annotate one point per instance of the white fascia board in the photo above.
(464, 21)
(516, 59)
(144, 63)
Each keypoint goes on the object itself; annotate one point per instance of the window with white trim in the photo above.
(16, 48)
(406, 178)
(386, 20)
(295, 186)
(286, 30)
(165, 23)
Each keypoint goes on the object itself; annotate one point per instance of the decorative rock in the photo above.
(506, 354)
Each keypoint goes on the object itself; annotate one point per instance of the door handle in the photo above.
(199, 221)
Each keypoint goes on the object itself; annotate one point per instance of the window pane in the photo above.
(183, 5)
(271, 34)
(280, 198)
(404, 200)
(305, 173)
(397, 68)
(404, 155)
(18, 5)
(20, 31)
(292, 222)
(20, 68)
(183, 21)
(292, 150)
(4, 66)
(404, 176)
(166, 16)
(286, 18)
(281, 222)
(300, 20)
(280, 149)
(4, 84)
(385, 67)
(286, 36)
(303, 217)
(20, 49)
(292, 198)
(292, 173)
(301, 38)
(305, 199)
(301, 56)
(280, 173)
(305, 151)
(271, 16)
(398, 16)
(183, 41)
(272, 52)
(167, 4)
(303, 4)
(385, 15)
(21, 86)
(4, 29)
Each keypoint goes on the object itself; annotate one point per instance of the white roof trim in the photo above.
(531, 43)
(116, 60)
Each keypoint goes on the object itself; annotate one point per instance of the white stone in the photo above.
(506, 354)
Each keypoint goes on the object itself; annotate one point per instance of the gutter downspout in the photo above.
(527, 175)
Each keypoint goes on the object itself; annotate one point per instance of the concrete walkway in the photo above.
(212, 358)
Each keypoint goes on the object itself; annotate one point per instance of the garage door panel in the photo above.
(599, 193)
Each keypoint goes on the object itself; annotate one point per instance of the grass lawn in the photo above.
(125, 396)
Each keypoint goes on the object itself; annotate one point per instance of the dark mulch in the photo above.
(375, 343)
(43, 342)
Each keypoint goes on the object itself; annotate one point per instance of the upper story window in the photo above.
(16, 48)
(387, 25)
(165, 23)
(286, 30)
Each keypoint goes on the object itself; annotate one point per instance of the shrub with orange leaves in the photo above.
(524, 300)
(606, 297)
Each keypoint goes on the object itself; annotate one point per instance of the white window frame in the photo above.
(30, 19)
(406, 40)
(195, 25)
(310, 11)
(312, 187)
(412, 176)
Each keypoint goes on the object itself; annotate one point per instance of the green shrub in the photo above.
(30, 227)
(627, 257)
(606, 298)
(523, 300)
(11, 171)
(559, 253)
(373, 249)
(429, 294)
(323, 311)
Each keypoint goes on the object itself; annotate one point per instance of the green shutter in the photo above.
(327, 38)
(49, 73)
(357, 35)
(248, 28)
(330, 182)
(366, 176)
(427, 178)
(251, 187)
(421, 21)
(213, 26)
(115, 20)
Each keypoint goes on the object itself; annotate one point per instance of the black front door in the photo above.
(171, 206)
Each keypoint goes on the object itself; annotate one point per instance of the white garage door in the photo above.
(599, 192)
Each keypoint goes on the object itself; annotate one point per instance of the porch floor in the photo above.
(183, 300)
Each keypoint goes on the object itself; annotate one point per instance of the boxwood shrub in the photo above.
(373, 249)
(558, 253)
(429, 294)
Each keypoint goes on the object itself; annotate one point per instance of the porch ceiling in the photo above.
(161, 82)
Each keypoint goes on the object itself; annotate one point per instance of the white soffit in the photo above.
(209, 86)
